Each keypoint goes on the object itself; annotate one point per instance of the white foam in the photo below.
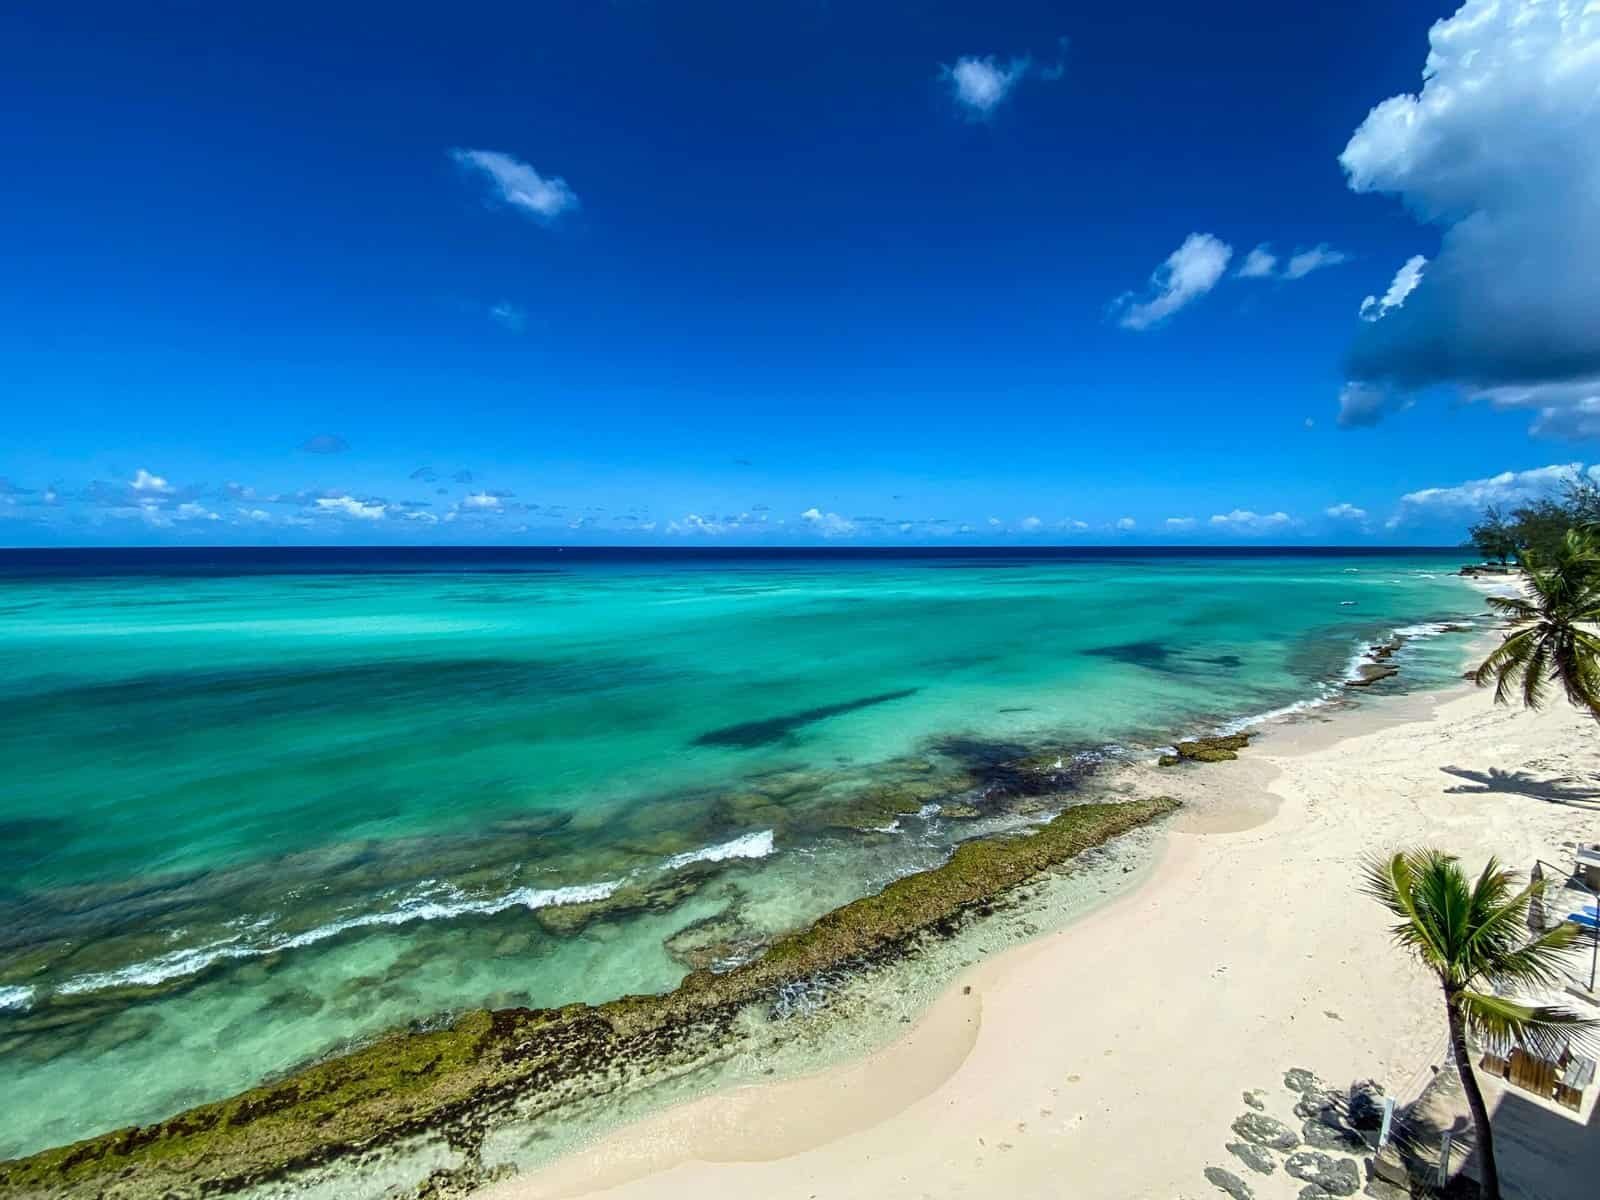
(750, 845)
(16, 997)
(415, 908)
(1240, 724)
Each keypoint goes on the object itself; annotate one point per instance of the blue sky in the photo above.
(792, 272)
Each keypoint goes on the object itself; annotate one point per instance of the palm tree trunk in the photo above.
(1489, 1176)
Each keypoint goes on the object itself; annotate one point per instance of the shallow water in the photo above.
(260, 807)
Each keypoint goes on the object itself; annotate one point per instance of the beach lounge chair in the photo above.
(1575, 1076)
(1586, 918)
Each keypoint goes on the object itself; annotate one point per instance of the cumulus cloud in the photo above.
(519, 185)
(1507, 488)
(1258, 264)
(1188, 273)
(144, 481)
(483, 501)
(1030, 524)
(1402, 285)
(1126, 523)
(1242, 520)
(1498, 151)
(828, 524)
(1303, 262)
(1176, 523)
(1346, 512)
(325, 443)
(980, 84)
(349, 506)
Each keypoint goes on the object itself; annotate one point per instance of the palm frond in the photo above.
(1542, 1029)
(1536, 964)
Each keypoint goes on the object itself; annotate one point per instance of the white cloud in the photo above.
(995, 522)
(1346, 512)
(1259, 263)
(1075, 526)
(829, 524)
(1404, 283)
(1508, 487)
(1180, 523)
(1029, 524)
(1189, 272)
(144, 481)
(190, 511)
(1242, 520)
(519, 185)
(1126, 523)
(1303, 262)
(1498, 149)
(979, 84)
(349, 506)
(482, 501)
(508, 316)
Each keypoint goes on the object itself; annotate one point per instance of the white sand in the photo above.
(1108, 1059)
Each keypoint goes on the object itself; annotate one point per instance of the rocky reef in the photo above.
(1208, 749)
(451, 1081)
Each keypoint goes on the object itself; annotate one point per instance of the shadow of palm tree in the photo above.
(1561, 790)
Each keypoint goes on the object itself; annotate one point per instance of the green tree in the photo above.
(1553, 637)
(1540, 527)
(1473, 936)
(1493, 536)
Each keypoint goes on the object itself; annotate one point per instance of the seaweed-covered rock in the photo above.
(656, 893)
(720, 940)
(959, 812)
(1266, 1131)
(1258, 1158)
(449, 1080)
(1228, 1182)
(1368, 674)
(1256, 1099)
(1336, 1176)
(1208, 749)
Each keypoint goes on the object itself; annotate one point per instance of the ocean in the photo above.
(263, 804)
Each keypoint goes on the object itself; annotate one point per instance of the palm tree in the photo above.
(1473, 937)
(1553, 638)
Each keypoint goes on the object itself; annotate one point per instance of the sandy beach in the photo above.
(1109, 1059)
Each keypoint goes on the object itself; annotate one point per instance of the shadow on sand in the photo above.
(1558, 790)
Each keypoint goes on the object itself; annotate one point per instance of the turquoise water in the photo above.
(259, 808)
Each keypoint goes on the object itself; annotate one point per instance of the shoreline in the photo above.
(1096, 786)
(1252, 916)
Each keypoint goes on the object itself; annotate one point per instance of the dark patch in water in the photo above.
(1230, 662)
(749, 734)
(1022, 708)
(1152, 655)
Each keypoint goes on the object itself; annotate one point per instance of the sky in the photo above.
(707, 272)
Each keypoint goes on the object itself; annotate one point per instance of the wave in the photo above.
(750, 845)
(20, 998)
(435, 902)
(179, 963)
